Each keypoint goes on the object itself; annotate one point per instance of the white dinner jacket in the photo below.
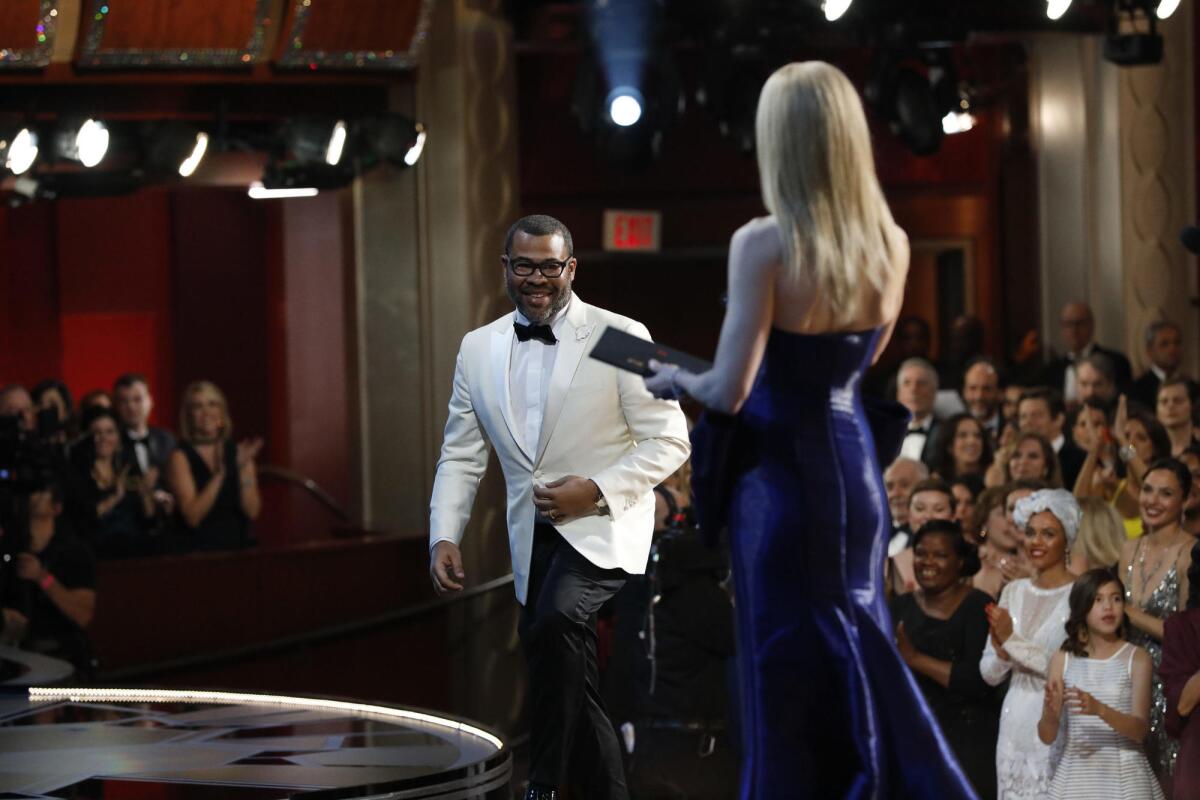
(599, 422)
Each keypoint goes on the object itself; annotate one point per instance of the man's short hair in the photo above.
(1051, 397)
(128, 379)
(1102, 364)
(932, 485)
(990, 364)
(919, 363)
(9, 388)
(901, 461)
(1153, 329)
(539, 225)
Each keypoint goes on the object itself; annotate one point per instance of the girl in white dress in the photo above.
(1103, 682)
(1027, 627)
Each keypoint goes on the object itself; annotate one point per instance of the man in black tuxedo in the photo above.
(916, 390)
(1078, 330)
(1042, 411)
(1164, 351)
(151, 447)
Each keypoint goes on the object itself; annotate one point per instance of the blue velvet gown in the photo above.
(828, 707)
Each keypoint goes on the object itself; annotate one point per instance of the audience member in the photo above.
(930, 499)
(1105, 690)
(1096, 378)
(916, 390)
(899, 480)
(913, 338)
(59, 594)
(965, 489)
(16, 402)
(1101, 537)
(114, 510)
(214, 479)
(151, 447)
(1000, 552)
(962, 447)
(1191, 509)
(1078, 331)
(981, 393)
(962, 345)
(1164, 352)
(1042, 412)
(941, 630)
(1158, 586)
(96, 398)
(1030, 457)
(1089, 421)
(54, 394)
(1175, 412)
(1026, 627)
(1140, 441)
(1180, 671)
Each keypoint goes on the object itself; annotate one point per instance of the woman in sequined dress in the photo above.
(1155, 568)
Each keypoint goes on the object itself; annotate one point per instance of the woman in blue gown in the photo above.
(828, 708)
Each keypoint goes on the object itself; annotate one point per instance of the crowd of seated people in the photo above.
(1008, 489)
(101, 483)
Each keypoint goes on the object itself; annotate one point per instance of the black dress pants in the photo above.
(572, 742)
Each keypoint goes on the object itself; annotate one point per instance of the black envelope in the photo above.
(629, 352)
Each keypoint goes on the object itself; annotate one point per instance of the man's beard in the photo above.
(557, 303)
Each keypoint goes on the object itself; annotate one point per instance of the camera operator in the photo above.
(50, 586)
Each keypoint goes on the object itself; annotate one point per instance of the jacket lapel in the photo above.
(572, 345)
(501, 358)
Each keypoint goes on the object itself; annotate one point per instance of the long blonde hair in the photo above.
(818, 178)
(1101, 533)
(187, 431)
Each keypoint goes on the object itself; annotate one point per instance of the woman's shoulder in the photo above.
(757, 244)
(975, 600)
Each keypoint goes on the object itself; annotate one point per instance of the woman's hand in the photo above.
(247, 451)
(1000, 622)
(1081, 702)
(1052, 700)
(663, 384)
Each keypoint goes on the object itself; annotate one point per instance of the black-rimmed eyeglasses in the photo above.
(523, 267)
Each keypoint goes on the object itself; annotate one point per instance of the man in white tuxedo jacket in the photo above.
(582, 446)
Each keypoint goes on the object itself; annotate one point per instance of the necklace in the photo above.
(1144, 575)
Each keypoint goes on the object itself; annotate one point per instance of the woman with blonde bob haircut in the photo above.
(828, 707)
(1101, 537)
(214, 479)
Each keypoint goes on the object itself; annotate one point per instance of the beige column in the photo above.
(1158, 179)
(428, 242)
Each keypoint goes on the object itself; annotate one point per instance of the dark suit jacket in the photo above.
(1145, 390)
(161, 443)
(1070, 459)
(1055, 372)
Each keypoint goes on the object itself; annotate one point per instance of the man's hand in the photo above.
(29, 567)
(565, 498)
(445, 568)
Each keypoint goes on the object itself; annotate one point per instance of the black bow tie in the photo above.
(135, 438)
(527, 332)
(921, 429)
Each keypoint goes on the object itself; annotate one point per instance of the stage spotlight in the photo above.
(337, 143)
(1056, 8)
(1166, 8)
(174, 148)
(393, 138)
(259, 192)
(624, 106)
(91, 142)
(414, 153)
(189, 164)
(834, 9)
(20, 151)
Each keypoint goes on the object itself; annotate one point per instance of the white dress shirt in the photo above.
(529, 371)
(1070, 381)
(141, 448)
(914, 440)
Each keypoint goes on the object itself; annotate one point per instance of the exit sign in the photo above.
(633, 231)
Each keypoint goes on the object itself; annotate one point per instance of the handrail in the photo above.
(295, 640)
(308, 484)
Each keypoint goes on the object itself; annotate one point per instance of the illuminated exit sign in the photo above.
(633, 231)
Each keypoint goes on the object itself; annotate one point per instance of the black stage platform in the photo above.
(129, 744)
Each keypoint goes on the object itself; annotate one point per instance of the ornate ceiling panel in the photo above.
(27, 29)
(365, 34)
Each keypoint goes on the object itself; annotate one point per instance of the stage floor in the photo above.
(150, 744)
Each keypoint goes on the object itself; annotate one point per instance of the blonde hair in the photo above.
(818, 178)
(187, 431)
(1101, 533)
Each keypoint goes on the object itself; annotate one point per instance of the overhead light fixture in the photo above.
(959, 119)
(625, 106)
(1056, 8)
(1166, 8)
(189, 164)
(414, 153)
(834, 9)
(259, 192)
(21, 151)
(91, 142)
(337, 143)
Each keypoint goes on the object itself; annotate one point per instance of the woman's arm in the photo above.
(994, 664)
(965, 678)
(755, 257)
(1083, 484)
(193, 505)
(1052, 700)
(933, 668)
(251, 499)
(1190, 696)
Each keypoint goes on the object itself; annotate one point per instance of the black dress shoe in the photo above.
(537, 792)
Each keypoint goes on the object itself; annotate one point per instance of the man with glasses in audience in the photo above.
(1078, 332)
